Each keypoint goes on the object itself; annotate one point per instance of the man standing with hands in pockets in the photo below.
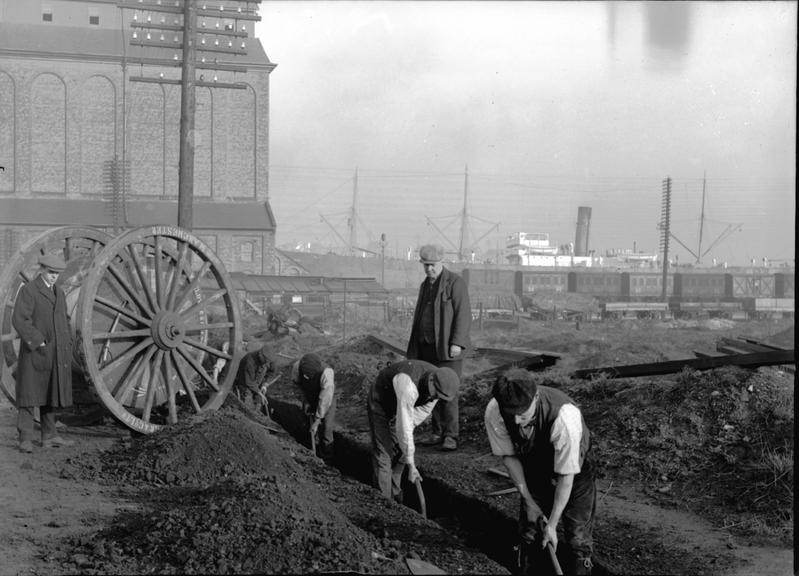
(440, 335)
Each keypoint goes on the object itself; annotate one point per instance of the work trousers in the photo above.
(324, 447)
(25, 422)
(577, 517)
(446, 413)
(386, 467)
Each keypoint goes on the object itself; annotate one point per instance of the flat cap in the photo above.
(446, 383)
(53, 262)
(431, 253)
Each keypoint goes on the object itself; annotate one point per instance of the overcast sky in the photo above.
(551, 106)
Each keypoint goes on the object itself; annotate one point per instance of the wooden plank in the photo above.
(392, 345)
(743, 345)
(772, 358)
(499, 472)
(708, 354)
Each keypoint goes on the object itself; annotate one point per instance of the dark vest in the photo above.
(536, 452)
(427, 323)
(310, 381)
(383, 391)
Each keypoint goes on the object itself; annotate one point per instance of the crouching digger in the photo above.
(315, 380)
(250, 383)
(544, 444)
(405, 392)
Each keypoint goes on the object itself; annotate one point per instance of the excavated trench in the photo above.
(473, 521)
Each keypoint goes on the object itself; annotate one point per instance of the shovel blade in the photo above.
(422, 567)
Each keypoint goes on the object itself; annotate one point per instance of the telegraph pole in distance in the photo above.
(665, 227)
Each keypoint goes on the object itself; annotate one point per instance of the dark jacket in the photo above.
(44, 373)
(452, 316)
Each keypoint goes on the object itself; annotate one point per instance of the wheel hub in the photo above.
(168, 330)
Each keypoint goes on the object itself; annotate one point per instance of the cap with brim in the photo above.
(446, 383)
(52, 262)
(431, 254)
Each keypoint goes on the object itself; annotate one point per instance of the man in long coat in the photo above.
(44, 369)
(440, 334)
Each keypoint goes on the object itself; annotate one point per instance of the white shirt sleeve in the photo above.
(567, 432)
(327, 388)
(498, 436)
(408, 416)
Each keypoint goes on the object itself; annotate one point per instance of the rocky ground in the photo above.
(696, 473)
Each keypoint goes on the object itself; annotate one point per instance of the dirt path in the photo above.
(677, 529)
(39, 505)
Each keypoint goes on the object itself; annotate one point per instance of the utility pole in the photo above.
(352, 220)
(219, 39)
(187, 109)
(701, 219)
(665, 222)
(464, 215)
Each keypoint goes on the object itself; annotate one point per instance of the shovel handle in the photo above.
(420, 494)
(554, 558)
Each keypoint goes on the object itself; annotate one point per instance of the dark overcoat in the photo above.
(44, 373)
(452, 313)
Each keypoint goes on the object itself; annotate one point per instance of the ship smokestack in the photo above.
(583, 227)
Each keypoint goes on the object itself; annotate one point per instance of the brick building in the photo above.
(82, 142)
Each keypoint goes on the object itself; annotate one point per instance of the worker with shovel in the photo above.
(250, 384)
(544, 443)
(406, 393)
(316, 381)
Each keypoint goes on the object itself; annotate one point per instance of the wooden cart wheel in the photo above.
(78, 246)
(157, 312)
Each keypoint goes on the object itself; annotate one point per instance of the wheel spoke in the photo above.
(125, 388)
(197, 367)
(200, 327)
(192, 285)
(10, 337)
(125, 356)
(203, 303)
(24, 276)
(200, 346)
(158, 280)
(155, 374)
(145, 285)
(176, 274)
(129, 289)
(187, 385)
(120, 334)
(170, 389)
(122, 309)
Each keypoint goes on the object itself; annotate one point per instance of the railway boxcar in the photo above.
(544, 280)
(601, 284)
(701, 285)
(646, 285)
(784, 285)
(491, 287)
(752, 285)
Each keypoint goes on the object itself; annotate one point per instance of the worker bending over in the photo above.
(315, 380)
(544, 443)
(405, 392)
(250, 384)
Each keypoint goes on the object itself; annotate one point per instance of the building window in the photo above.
(246, 251)
(94, 20)
(47, 15)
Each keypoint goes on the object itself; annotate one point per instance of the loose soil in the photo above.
(696, 471)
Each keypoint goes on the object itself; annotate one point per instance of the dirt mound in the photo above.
(199, 451)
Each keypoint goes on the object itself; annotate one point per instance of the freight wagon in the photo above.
(690, 293)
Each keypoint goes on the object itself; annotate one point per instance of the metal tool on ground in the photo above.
(420, 494)
(417, 566)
